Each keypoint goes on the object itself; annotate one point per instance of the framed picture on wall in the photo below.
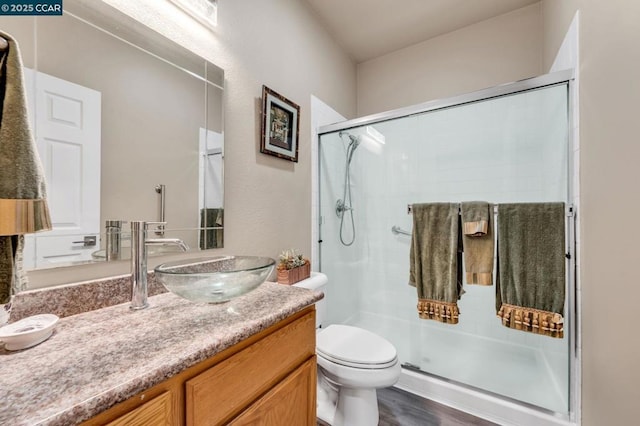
(280, 126)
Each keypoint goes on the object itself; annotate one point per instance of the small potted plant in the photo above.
(292, 267)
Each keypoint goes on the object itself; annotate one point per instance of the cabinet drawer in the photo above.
(220, 393)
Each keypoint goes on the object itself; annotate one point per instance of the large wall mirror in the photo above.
(129, 126)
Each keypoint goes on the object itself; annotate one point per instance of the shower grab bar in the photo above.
(397, 230)
(569, 209)
(162, 192)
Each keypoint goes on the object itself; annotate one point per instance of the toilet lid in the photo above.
(355, 347)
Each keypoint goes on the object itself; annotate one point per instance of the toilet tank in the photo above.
(317, 282)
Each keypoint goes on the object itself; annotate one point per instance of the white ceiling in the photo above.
(371, 28)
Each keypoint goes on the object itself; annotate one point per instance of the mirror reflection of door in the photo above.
(66, 119)
(211, 196)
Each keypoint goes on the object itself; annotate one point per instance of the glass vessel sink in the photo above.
(214, 279)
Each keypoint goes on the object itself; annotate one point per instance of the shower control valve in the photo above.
(341, 208)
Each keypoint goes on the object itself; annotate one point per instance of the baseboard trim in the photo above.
(477, 403)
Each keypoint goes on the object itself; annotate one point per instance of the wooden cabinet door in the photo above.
(290, 402)
(156, 412)
(222, 392)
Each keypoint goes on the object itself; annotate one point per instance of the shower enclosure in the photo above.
(507, 144)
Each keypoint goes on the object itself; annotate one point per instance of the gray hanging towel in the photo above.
(435, 261)
(23, 204)
(477, 241)
(530, 285)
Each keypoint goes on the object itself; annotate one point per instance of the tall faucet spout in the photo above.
(139, 243)
(167, 242)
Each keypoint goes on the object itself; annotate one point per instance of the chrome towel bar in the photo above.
(397, 230)
(569, 209)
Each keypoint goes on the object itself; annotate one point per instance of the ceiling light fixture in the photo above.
(375, 135)
(205, 11)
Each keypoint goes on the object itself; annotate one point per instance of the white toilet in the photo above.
(352, 364)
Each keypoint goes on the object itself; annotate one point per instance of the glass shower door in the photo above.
(507, 149)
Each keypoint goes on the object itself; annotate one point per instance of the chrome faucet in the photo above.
(113, 231)
(139, 243)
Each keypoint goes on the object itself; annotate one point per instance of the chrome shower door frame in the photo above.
(572, 286)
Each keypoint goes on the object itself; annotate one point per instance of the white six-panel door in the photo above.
(67, 130)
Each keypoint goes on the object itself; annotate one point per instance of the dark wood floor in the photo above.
(400, 408)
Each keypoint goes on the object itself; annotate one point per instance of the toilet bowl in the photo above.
(352, 364)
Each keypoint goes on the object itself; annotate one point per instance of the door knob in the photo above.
(87, 241)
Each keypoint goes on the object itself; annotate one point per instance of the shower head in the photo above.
(354, 141)
(344, 206)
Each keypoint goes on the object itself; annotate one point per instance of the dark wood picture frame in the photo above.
(280, 126)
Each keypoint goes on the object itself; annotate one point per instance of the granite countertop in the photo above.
(99, 358)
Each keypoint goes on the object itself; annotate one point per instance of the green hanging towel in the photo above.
(530, 284)
(23, 204)
(436, 261)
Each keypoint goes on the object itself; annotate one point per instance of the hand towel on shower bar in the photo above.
(477, 241)
(436, 261)
(23, 205)
(530, 284)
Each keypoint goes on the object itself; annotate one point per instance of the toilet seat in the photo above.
(355, 347)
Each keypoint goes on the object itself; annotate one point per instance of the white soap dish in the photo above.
(28, 332)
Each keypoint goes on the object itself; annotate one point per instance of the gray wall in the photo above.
(499, 50)
(609, 152)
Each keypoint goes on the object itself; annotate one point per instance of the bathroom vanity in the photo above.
(175, 363)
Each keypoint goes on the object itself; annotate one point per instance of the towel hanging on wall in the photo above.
(477, 241)
(23, 204)
(436, 261)
(530, 282)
